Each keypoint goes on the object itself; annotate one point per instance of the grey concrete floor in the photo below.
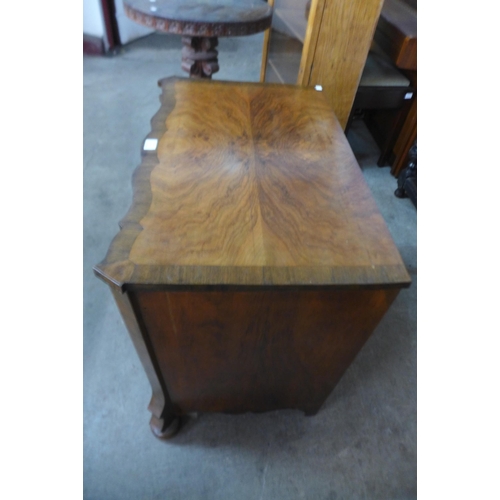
(361, 444)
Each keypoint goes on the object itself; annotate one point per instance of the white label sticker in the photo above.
(319, 88)
(408, 95)
(150, 144)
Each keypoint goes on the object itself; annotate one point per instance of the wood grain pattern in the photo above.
(260, 189)
(239, 351)
(337, 42)
(314, 20)
(253, 263)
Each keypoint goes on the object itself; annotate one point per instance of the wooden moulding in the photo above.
(253, 263)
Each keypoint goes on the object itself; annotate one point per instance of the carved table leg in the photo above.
(199, 57)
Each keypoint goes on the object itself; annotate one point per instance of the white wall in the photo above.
(128, 29)
(93, 22)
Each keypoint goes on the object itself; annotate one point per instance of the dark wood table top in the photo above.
(250, 184)
(205, 18)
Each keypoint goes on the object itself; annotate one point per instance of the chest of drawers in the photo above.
(253, 263)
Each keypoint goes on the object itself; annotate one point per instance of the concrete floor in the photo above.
(361, 444)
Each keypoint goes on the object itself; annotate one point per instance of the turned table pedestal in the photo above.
(253, 263)
(201, 22)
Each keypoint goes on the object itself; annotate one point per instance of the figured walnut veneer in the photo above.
(259, 188)
(253, 263)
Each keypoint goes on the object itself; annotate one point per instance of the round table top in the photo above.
(205, 18)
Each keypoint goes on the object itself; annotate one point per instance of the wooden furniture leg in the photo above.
(199, 57)
(164, 423)
(407, 180)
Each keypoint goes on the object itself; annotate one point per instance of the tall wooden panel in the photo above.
(338, 38)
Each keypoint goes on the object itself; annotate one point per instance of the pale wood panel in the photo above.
(265, 48)
(310, 41)
(337, 42)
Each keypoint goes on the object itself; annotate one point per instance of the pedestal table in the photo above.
(201, 22)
